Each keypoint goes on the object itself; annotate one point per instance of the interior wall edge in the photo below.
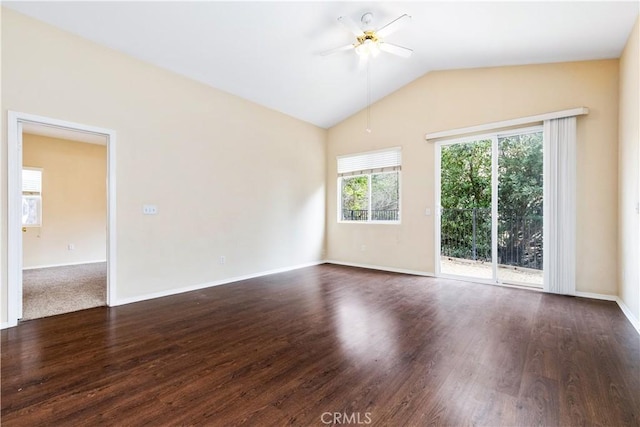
(382, 268)
(629, 315)
(226, 281)
(69, 264)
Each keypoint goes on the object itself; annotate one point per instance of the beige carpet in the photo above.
(57, 290)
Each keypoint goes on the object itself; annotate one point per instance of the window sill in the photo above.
(371, 222)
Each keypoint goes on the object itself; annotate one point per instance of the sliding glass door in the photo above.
(520, 208)
(490, 216)
(465, 212)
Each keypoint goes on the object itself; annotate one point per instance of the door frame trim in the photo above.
(494, 137)
(14, 202)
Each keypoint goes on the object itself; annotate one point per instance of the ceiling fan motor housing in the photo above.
(368, 35)
(367, 19)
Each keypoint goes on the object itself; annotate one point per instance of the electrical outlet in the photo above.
(427, 211)
(71, 247)
(149, 209)
(222, 260)
(363, 248)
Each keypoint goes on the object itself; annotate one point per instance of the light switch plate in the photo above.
(149, 209)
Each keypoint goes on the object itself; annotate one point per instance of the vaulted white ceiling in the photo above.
(268, 52)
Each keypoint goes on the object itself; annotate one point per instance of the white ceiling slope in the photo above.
(268, 52)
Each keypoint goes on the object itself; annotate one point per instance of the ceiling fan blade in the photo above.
(336, 50)
(393, 26)
(404, 52)
(351, 26)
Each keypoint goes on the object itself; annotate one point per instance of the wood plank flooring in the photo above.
(328, 345)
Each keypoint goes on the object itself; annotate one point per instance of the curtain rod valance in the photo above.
(506, 123)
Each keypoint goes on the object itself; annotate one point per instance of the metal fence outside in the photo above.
(376, 215)
(466, 233)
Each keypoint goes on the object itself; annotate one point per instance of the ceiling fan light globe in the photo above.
(368, 48)
(374, 49)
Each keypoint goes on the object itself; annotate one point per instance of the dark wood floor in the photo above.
(286, 349)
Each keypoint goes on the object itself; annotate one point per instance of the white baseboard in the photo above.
(628, 314)
(5, 325)
(382, 268)
(177, 291)
(591, 295)
(63, 265)
(635, 322)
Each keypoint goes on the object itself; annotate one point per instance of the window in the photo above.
(31, 197)
(369, 186)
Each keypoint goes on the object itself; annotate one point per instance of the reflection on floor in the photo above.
(483, 270)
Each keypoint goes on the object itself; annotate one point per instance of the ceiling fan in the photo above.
(370, 42)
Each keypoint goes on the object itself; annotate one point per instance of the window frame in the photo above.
(32, 194)
(369, 174)
(340, 209)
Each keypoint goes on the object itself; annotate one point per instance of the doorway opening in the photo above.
(64, 215)
(61, 233)
(490, 219)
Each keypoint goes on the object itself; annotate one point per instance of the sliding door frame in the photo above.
(494, 137)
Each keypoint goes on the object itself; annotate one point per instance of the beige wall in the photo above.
(452, 99)
(230, 178)
(629, 174)
(74, 202)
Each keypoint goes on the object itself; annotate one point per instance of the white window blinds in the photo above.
(31, 181)
(560, 206)
(381, 160)
(31, 197)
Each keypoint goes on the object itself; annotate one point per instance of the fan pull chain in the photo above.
(368, 96)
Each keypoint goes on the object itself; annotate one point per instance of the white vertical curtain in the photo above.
(560, 206)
